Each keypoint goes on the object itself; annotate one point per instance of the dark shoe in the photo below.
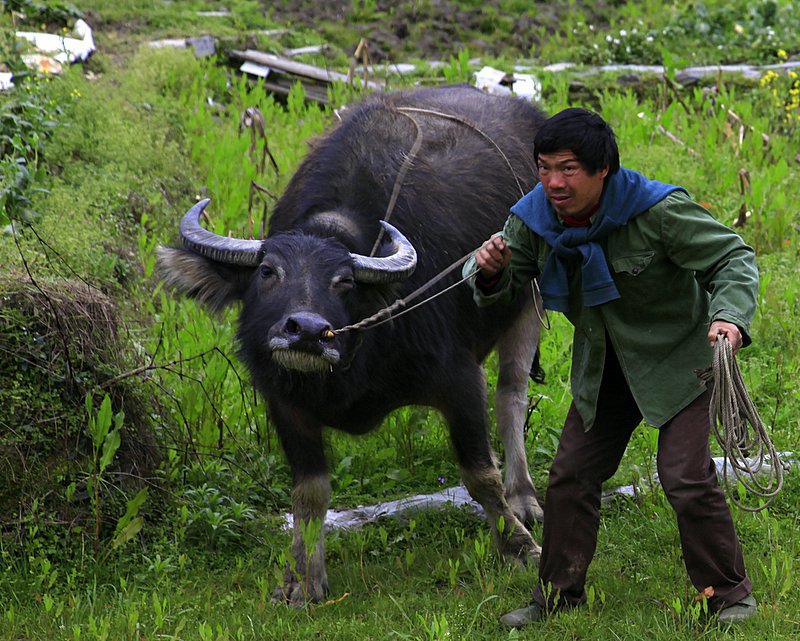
(523, 616)
(739, 611)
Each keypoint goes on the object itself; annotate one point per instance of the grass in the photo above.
(153, 128)
(406, 580)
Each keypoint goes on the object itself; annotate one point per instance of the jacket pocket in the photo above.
(632, 264)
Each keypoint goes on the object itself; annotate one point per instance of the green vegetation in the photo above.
(144, 483)
(573, 30)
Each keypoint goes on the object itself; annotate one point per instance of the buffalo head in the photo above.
(296, 287)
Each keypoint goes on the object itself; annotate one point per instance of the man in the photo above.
(649, 279)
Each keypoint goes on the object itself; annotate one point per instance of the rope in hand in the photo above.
(749, 454)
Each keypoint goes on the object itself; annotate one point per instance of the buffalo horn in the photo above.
(232, 251)
(398, 265)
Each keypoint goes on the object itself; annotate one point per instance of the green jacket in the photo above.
(677, 270)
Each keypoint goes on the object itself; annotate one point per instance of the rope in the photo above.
(750, 455)
(476, 129)
(387, 313)
(400, 179)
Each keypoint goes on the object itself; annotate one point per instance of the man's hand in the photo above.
(493, 256)
(729, 330)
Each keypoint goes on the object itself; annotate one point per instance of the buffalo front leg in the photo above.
(305, 578)
(516, 350)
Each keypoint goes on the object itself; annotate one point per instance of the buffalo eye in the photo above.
(343, 284)
(265, 271)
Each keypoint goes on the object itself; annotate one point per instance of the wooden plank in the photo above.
(296, 68)
(312, 92)
(281, 84)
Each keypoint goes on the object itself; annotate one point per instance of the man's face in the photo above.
(571, 190)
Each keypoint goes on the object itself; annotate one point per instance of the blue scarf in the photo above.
(626, 195)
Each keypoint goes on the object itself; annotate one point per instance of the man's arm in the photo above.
(723, 264)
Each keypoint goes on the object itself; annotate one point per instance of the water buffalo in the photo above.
(404, 185)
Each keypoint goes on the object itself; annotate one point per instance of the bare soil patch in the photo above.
(432, 30)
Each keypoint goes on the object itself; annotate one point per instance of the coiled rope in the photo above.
(747, 449)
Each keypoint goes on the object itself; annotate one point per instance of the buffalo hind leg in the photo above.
(516, 350)
(466, 417)
(513, 540)
(306, 578)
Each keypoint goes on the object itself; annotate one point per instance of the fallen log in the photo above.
(315, 80)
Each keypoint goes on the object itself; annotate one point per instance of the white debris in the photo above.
(456, 496)
(254, 69)
(42, 63)
(559, 66)
(399, 68)
(177, 43)
(500, 83)
(357, 517)
(65, 49)
(53, 51)
(309, 49)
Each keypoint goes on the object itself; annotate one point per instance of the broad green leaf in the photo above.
(102, 422)
(127, 533)
(110, 446)
(131, 511)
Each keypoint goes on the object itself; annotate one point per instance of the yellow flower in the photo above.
(767, 78)
(782, 54)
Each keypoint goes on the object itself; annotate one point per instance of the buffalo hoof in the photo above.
(526, 508)
(293, 592)
(520, 549)
(292, 595)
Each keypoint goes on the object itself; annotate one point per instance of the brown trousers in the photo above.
(584, 460)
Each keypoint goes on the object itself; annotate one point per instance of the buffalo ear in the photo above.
(213, 283)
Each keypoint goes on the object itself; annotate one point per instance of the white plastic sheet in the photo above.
(61, 48)
(501, 83)
(456, 496)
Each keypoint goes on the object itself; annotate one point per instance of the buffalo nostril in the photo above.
(308, 327)
(292, 326)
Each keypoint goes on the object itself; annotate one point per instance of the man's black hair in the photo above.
(584, 133)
